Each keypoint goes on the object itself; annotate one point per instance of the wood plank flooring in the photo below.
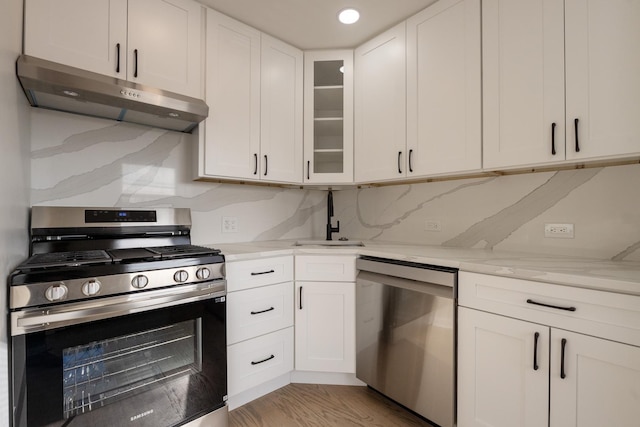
(313, 405)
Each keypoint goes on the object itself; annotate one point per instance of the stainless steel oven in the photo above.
(135, 340)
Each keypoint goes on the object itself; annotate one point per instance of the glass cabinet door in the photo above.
(328, 117)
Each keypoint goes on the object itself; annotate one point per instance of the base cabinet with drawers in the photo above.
(259, 322)
(538, 354)
(325, 313)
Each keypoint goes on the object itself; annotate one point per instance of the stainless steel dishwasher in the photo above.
(406, 334)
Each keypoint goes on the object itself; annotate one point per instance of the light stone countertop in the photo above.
(612, 276)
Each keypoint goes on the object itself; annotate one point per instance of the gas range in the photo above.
(85, 253)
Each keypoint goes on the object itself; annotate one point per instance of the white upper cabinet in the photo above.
(328, 117)
(254, 93)
(281, 111)
(164, 46)
(526, 47)
(151, 42)
(230, 136)
(523, 82)
(443, 89)
(603, 77)
(380, 107)
(87, 34)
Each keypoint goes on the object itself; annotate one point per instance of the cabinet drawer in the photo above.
(258, 272)
(258, 360)
(330, 268)
(602, 314)
(258, 311)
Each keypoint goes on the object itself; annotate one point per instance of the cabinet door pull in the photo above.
(117, 57)
(135, 63)
(253, 313)
(557, 307)
(300, 305)
(266, 165)
(255, 163)
(535, 351)
(399, 156)
(553, 139)
(410, 160)
(308, 168)
(263, 360)
(564, 344)
(575, 124)
(262, 272)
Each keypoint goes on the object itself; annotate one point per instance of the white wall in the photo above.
(14, 173)
(85, 161)
(506, 213)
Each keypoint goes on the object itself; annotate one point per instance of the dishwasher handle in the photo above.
(366, 277)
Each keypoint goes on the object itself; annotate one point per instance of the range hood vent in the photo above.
(60, 87)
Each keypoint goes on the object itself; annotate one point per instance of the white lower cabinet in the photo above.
(325, 313)
(259, 325)
(536, 371)
(325, 327)
(255, 361)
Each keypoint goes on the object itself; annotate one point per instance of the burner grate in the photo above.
(63, 259)
(178, 251)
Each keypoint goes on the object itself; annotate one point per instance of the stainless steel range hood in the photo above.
(60, 87)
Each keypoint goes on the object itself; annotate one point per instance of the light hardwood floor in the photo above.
(312, 405)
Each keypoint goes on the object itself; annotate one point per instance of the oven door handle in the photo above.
(70, 314)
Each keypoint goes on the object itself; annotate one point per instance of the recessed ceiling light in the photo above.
(70, 93)
(348, 16)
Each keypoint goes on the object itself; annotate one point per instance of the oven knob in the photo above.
(56, 292)
(140, 281)
(91, 287)
(181, 276)
(203, 273)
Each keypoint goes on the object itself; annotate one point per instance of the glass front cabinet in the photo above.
(328, 117)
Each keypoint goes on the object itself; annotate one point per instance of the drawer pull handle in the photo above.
(262, 311)
(535, 351)
(564, 344)
(300, 300)
(553, 139)
(263, 272)
(557, 307)
(263, 360)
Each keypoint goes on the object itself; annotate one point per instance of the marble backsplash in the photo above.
(506, 212)
(85, 161)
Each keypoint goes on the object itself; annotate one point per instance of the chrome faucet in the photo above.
(330, 228)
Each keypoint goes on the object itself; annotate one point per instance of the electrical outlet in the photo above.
(558, 231)
(229, 224)
(433, 225)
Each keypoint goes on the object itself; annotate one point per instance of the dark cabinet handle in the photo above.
(135, 63)
(263, 360)
(308, 168)
(266, 165)
(255, 163)
(117, 57)
(564, 344)
(575, 124)
(410, 160)
(300, 302)
(553, 139)
(535, 350)
(259, 273)
(399, 156)
(557, 307)
(253, 313)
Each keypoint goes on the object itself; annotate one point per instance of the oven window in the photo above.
(103, 372)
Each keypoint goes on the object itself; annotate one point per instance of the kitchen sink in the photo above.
(333, 243)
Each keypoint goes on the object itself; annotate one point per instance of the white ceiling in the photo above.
(313, 24)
